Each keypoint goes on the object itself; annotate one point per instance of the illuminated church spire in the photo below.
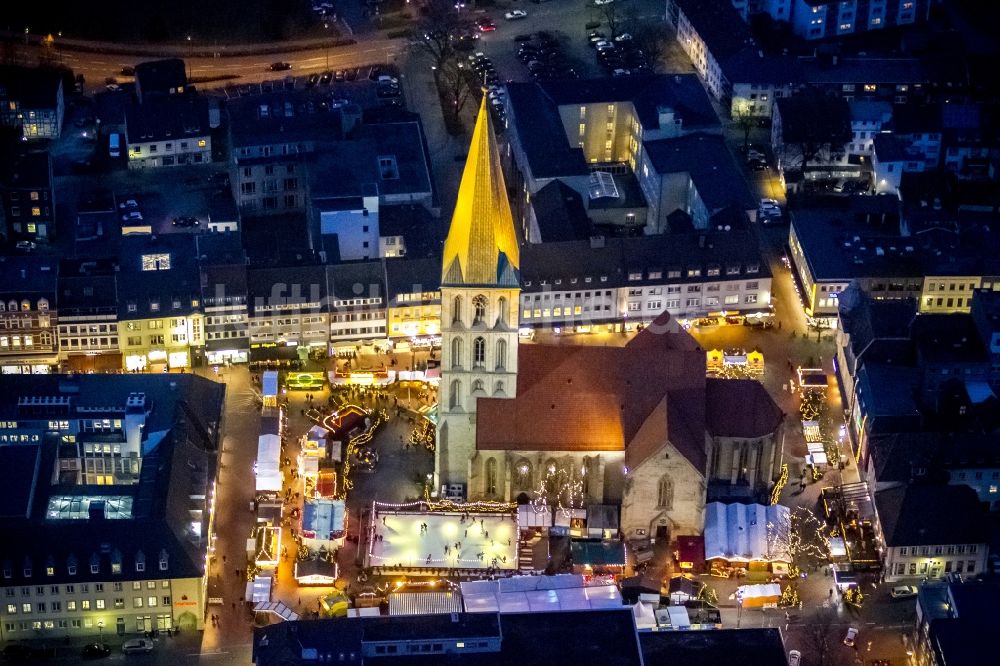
(481, 248)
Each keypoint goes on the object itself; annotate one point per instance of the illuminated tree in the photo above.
(558, 488)
(801, 538)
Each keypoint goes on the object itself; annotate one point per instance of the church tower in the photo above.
(480, 289)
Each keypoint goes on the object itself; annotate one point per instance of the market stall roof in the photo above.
(322, 518)
(268, 467)
(691, 548)
(530, 594)
(424, 603)
(598, 553)
(678, 617)
(741, 532)
(259, 589)
(269, 384)
(278, 608)
(527, 516)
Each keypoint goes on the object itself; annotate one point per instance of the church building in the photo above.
(580, 424)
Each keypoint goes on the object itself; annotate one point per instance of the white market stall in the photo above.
(268, 467)
(533, 594)
(741, 535)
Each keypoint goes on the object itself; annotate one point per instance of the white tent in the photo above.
(679, 617)
(259, 589)
(268, 467)
(746, 532)
(532, 594)
(528, 517)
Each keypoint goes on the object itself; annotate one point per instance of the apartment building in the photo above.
(32, 100)
(160, 316)
(88, 322)
(110, 503)
(823, 19)
(28, 315)
(413, 290)
(28, 195)
(288, 311)
(168, 131)
(358, 303)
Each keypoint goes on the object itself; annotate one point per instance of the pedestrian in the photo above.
(383, 520)
(466, 533)
(831, 592)
(223, 559)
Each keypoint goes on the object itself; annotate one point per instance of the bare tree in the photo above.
(745, 120)
(438, 26)
(456, 84)
(817, 634)
(616, 15)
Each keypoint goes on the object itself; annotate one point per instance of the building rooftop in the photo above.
(32, 88)
(30, 277)
(890, 390)
(719, 25)
(283, 117)
(588, 398)
(755, 647)
(158, 277)
(862, 70)
(289, 288)
(527, 639)
(540, 129)
(560, 213)
(758, 415)
(356, 279)
(948, 338)
(160, 76)
(412, 276)
(925, 515)
(710, 164)
(167, 118)
(181, 434)
(28, 170)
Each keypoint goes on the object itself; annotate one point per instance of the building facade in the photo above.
(29, 320)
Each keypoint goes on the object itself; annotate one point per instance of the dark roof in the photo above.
(154, 292)
(892, 148)
(863, 70)
(162, 119)
(33, 88)
(615, 258)
(719, 25)
(175, 467)
(160, 76)
(410, 276)
(921, 515)
(898, 457)
(28, 170)
(740, 408)
(749, 65)
(526, 639)
(754, 647)
(287, 117)
(422, 233)
(889, 390)
(87, 287)
(29, 277)
(713, 170)
(948, 338)
(360, 279)
(812, 115)
(345, 168)
(560, 213)
(964, 641)
(289, 285)
(20, 464)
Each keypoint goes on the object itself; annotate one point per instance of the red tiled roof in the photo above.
(589, 398)
(740, 408)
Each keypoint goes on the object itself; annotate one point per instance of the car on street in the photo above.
(134, 216)
(325, 78)
(95, 651)
(603, 2)
(903, 592)
(137, 646)
(186, 221)
(794, 658)
(486, 24)
(515, 14)
(25, 246)
(280, 66)
(851, 638)
(128, 203)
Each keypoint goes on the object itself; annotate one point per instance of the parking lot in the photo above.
(366, 85)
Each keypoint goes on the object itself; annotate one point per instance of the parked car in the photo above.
(186, 221)
(903, 592)
(133, 216)
(603, 2)
(127, 70)
(851, 637)
(137, 646)
(325, 78)
(486, 24)
(280, 66)
(515, 14)
(95, 651)
(128, 203)
(794, 658)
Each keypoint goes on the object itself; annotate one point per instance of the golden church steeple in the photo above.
(481, 248)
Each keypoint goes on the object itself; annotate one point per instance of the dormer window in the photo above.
(7, 572)
(116, 562)
(140, 562)
(164, 560)
(95, 564)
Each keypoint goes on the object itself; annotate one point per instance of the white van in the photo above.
(114, 145)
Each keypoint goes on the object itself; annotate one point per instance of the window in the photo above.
(99, 604)
(456, 310)
(501, 361)
(479, 353)
(456, 352)
(156, 262)
(665, 493)
(491, 476)
(454, 395)
(479, 309)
